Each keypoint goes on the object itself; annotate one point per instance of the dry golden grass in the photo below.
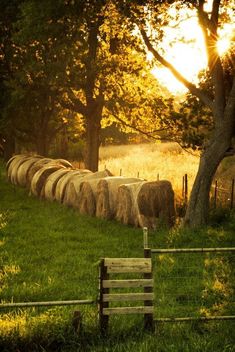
(167, 161)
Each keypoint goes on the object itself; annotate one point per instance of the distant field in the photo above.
(164, 160)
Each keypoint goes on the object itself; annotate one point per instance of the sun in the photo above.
(188, 54)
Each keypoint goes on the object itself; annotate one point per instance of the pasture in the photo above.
(50, 252)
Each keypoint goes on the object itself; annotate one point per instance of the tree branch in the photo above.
(148, 134)
(74, 103)
(191, 87)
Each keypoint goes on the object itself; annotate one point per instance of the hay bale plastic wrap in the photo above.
(43, 162)
(127, 208)
(40, 177)
(156, 204)
(86, 197)
(23, 169)
(107, 189)
(34, 168)
(72, 192)
(63, 162)
(49, 188)
(146, 204)
(14, 157)
(64, 181)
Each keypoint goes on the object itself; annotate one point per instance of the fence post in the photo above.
(186, 188)
(183, 187)
(120, 173)
(232, 194)
(104, 319)
(148, 318)
(215, 194)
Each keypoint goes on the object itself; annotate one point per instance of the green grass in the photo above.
(49, 252)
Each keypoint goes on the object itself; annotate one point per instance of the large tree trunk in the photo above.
(93, 127)
(41, 144)
(198, 207)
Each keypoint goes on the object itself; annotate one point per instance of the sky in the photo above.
(188, 57)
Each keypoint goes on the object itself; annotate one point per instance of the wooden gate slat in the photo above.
(115, 297)
(128, 283)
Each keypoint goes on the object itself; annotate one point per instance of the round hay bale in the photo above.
(34, 168)
(107, 189)
(13, 162)
(86, 197)
(19, 177)
(63, 162)
(73, 187)
(17, 156)
(40, 177)
(48, 191)
(14, 168)
(127, 208)
(156, 203)
(64, 181)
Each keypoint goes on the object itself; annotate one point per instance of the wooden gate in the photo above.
(109, 267)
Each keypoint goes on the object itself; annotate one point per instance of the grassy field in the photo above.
(49, 252)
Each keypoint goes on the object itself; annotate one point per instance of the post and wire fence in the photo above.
(188, 284)
(193, 283)
(222, 194)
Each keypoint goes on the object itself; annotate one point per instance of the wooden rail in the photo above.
(45, 304)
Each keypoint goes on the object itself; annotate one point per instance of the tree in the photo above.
(86, 54)
(222, 102)
(8, 17)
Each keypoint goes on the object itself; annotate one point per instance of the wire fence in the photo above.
(222, 193)
(192, 284)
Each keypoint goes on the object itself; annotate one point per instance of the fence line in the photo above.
(185, 299)
(185, 189)
(173, 320)
(192, 250)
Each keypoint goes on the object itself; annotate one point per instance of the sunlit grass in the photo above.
(150, 161)
(165, 161)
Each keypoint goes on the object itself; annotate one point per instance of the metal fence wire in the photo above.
(194, 284)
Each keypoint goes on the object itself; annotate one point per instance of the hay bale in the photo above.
(146, 204)
(48, 190)
(127, 210)
(40, 177)
(156, 203)
(65, 180)
(107, 189)
(86, 197)
(17, 156)
(73, 187)
(34, 168)
(12, 164)
(21, 172)
(63, 162)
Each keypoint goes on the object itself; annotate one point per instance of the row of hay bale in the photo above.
(132, 201)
